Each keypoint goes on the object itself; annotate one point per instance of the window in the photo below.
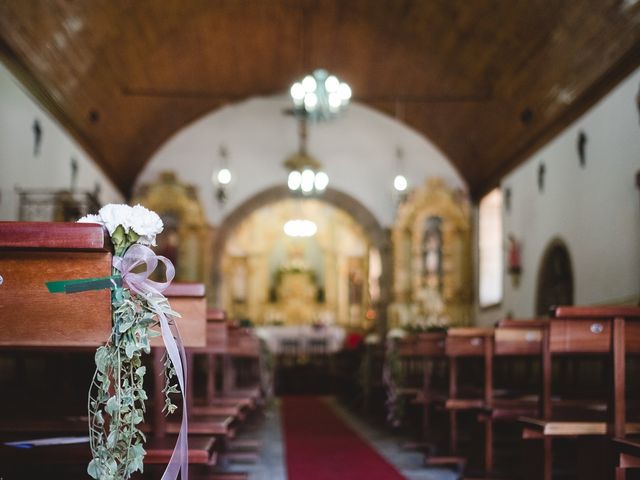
(490, 249)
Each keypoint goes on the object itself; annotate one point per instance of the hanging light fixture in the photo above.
(300, 228)
(305, 172)
(319, 96)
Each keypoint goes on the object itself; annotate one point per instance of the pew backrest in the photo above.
(519, 337)
(32, 253)
(188, 299)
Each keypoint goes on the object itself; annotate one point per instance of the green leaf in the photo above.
(118, 236)
(125, 325)
(99, 418)
(102, 359)
(132, 236)
(112, 406)
(136, 417)
(93, 469)
(112, 438)
(130, 349)
(140, 371)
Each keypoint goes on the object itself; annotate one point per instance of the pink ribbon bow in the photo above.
(140, 283)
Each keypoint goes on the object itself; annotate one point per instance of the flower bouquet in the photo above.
(117, 397)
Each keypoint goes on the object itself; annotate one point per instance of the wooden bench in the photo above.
(424, 352)
(609, 332)
(513, 339)
(464, 343)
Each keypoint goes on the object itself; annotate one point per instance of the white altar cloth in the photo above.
(275, 336)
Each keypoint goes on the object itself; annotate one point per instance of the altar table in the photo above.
(305, 335)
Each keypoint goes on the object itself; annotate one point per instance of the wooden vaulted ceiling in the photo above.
(487, 81)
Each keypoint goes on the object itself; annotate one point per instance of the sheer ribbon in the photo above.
(140, 283)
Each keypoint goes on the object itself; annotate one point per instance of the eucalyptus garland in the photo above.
(394, 379)
(117, 395)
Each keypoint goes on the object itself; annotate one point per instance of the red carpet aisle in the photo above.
(320, 446)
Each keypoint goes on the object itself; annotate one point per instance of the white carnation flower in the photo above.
(145, 223)
(91, 219)
(114, 215)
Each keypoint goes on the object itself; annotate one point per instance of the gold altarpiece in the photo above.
(186, 239)
(270, 278)
(432, 258)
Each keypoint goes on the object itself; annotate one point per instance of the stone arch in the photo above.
(378, 235)
(555, 277)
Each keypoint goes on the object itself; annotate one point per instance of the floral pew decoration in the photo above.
(116, 403)
(425, 316)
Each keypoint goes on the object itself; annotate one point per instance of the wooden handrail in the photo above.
(177, 289)
(54, 236)
(596, 312)
(525, 324)
(216, 314)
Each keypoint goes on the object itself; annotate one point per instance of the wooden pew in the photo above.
(242, 344)
(63, 459)
(189, 300)
(425, 350)
(465, 343)
(576, 331)
(31, 318)
(219, 347)
(513, 339)
(220, 415)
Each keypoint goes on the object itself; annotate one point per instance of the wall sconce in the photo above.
(400, 183)
(221, 178)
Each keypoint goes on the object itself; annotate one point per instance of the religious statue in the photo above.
(514, 261)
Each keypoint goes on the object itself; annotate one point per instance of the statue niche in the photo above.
(432, 259)
(186, 234)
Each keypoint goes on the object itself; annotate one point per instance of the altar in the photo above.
(302, 339)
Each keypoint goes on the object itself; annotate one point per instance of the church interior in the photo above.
(320, 239)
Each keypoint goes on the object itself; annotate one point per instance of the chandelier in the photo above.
(300, 228)
(305, 172)
(320, 97)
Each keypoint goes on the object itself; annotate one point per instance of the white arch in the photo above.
(357, 151)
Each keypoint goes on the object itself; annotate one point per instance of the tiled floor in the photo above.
(272, 465)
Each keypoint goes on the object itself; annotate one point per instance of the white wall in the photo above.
(51, 168)
(357, 151)
(595, 210)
